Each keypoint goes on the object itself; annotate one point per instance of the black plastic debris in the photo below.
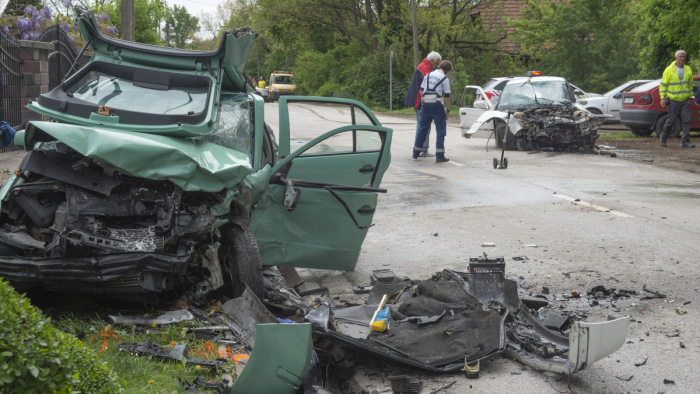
(601, 292)
(654, 293)
(682, 345)
(481, 265)
(404, 384)
(626, 378)
(361, 289)
(674, 334)
(669, 381)
(218, 388)
(553, 320)
(641, 363)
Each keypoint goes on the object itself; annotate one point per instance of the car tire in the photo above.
(641, 132)
(240, 259)
(675, 131)
(510, 138)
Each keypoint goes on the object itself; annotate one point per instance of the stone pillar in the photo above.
(35, 74)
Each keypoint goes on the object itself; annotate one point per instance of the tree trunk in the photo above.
(416, 54)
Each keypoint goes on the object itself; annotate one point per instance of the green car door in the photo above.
(322, 194)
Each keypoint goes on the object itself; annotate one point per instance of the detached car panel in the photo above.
(158, 172)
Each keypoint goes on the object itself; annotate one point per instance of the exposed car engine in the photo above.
(564, 128)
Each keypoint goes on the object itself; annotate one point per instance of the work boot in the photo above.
(663, 140)
(441, 160)
(687, 145)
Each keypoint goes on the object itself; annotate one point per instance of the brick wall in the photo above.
(35, 74)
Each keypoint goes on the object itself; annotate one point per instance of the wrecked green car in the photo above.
(156, 174)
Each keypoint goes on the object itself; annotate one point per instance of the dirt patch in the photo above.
(648, 150)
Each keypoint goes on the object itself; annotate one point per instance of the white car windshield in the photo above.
(535, 93)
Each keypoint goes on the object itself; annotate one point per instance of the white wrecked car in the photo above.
(537, 112)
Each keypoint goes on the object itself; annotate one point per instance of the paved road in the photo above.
(595, 220)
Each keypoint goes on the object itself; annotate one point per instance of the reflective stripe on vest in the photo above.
(672, 87)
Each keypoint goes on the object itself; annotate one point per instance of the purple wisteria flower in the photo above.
(112, 31)
(46, 12)
(67, 3)
(65, 27)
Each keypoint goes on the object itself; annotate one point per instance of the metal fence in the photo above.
(10, 79)
(63, 55)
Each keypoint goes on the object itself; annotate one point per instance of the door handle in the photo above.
(366, 210)
(367, 168)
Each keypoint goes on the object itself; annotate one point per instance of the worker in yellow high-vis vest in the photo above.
(676, 92)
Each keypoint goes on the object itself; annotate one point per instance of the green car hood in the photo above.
(193, 165)
(231, 56)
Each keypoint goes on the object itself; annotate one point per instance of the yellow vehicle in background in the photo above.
(281, 84)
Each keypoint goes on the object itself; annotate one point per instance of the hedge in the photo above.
(35, 357)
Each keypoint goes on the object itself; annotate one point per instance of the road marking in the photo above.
(596, 207)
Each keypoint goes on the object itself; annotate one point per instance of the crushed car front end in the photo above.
(141, 183)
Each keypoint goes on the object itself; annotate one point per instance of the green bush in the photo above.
(35, 357)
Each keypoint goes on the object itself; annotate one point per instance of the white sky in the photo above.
(194, 7)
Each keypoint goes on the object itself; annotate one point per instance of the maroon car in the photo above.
(642, 111)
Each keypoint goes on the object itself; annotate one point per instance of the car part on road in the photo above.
(483, 316)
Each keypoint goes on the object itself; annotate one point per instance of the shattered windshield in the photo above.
(118, 92)
(234, 126)
(534, 93)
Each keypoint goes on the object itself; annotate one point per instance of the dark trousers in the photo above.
(676, 108)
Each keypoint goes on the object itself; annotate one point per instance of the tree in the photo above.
(148, 17)
(180, 27)
(670, 25)
(589, 42)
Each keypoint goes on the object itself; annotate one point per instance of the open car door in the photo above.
(474, 103)
(322, 195)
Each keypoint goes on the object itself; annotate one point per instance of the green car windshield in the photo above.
(116, 92)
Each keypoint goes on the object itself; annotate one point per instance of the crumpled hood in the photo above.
(193, 165)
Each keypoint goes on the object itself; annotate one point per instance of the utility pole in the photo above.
(416, 55)
(128, 20)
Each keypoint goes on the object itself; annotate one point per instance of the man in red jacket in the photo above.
(413, 95)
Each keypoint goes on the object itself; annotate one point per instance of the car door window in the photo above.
(308, 120)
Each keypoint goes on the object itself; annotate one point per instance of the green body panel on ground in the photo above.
(280, 359)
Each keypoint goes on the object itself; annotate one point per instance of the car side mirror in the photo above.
(578, 92)
(481, 104)
(617, 95)
(291, 196)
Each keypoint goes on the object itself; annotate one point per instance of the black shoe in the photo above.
(662, 139)
(441, 160)
(663, 143)
(687, 145)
